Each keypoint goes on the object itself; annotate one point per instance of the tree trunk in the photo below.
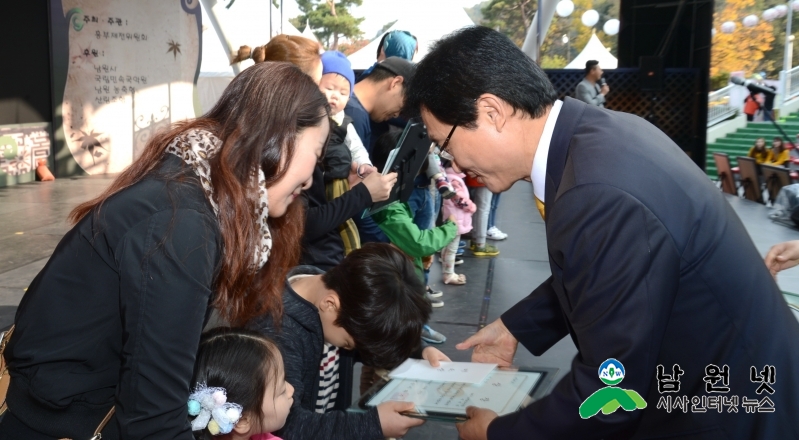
(525, 20)
(335, 41)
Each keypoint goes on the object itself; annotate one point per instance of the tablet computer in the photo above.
(504, 391)
(406, 160)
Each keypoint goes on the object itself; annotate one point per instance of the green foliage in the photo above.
(511, 17)
(719, 81)
(553, 62)
(330, 26)
(476, 12)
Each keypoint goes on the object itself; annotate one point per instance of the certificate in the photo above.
(502, 392)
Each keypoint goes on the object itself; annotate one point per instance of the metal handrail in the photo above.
(718, 106)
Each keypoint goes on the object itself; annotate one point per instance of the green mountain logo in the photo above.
(611, 398)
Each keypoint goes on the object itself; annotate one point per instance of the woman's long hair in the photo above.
(258, 118)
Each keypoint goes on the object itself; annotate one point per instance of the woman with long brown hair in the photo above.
(207, 216)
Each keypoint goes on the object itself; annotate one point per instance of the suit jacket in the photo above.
(650, 266)
(588, 92)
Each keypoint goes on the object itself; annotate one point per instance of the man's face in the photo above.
(482, 152)
(389, 100)
(597, 72)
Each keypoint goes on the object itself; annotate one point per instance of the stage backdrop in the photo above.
(122, 70)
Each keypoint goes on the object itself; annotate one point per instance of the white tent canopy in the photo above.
(308, 32)
(245, 23)
(427, 20)
(594, 50)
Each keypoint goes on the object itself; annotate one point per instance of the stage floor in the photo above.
(33, 220)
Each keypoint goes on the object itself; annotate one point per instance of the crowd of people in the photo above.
(305, 178)
(225, 284)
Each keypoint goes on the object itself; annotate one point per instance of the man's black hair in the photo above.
(383, 306)
(468, 63)
(379, 74)
(589, 66)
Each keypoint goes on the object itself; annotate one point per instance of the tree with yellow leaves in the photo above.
(745, 48)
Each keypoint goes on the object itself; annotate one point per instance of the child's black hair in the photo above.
(383, 306)
(383, 146)
(242, 362)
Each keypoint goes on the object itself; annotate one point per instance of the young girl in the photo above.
(461, 208)
(759, 152)
(240, 389)
(779, 155)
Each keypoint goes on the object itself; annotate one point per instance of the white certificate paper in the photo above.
(465, 372)
(503, 392)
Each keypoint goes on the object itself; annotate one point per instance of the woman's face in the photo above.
(308, 150)
(776, 143)
(760, 143)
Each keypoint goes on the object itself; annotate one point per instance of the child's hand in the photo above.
(452, 219)
(471, 207)
(392, 422)
(366, 169)
(434, 356)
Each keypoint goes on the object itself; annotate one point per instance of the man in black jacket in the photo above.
(650, 265)
(371, 306)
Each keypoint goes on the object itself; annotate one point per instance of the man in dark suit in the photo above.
(650, 265)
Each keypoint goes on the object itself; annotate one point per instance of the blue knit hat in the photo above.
(399, 44)
(334, 61)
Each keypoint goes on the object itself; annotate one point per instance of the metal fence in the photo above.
(791, 83)
(718, 106)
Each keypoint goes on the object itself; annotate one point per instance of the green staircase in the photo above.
(738, 143)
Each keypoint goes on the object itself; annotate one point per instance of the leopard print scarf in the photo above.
(195, 147)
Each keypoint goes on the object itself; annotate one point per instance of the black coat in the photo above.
(301, 341)
(321, 245)
(116, 314)
(650, 266)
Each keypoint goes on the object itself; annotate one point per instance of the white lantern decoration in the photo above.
(611, 27)
(590, 18)
(770, 14)
(795, 5)
(750, 21)
(728, 27)
(782, 10)
(564, 8)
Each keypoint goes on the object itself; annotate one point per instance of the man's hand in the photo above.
(392, 422)
(476, 428)
(604, 90)
(782, 256)
(434, 356)
(493, 344)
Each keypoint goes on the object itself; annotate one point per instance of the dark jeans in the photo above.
(492, 213)
(421, 205)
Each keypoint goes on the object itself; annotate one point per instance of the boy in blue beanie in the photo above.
(337, 82)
